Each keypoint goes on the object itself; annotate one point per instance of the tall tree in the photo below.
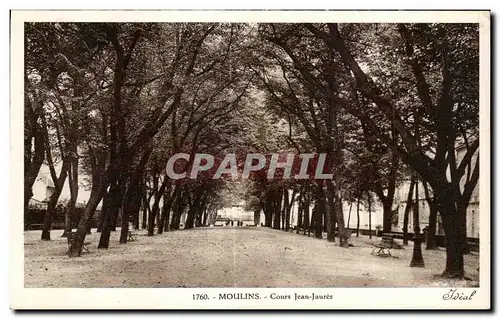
(445, 103)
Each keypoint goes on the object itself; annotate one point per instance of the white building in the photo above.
(235, 213)
(42, 189)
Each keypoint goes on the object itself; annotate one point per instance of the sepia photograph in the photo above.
(250, 160)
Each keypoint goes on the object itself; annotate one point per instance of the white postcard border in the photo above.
(182, 298)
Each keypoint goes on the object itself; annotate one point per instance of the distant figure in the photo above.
(232, 223)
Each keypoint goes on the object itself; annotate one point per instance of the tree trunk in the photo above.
(283, 211)
(104, 208)
(158, 216)
(409, 202)
(306, 204)
(130, 210)
(166, 223)
(336, 188)
(89, 226)
(455, 237)
(277, 209)
(30, 176)
(152, 215)
(349, 216)
(339, 211)
(268, 211)
(288, 213)
(370, 215)
(190, 217)
(197, 218)
(256, 217)
(99, 186)
(212, 215)
(155, 193)
(387, 216)
(156, 206)
(300, 213)
(73, 188)
(268, 218)
(389, 199)
(137, 199)
(32, 162)
(318, 213)
(167, 206)
(202, 208)
(176, 219)
(327, 205)
(67, 217)
(108, 218)
(49, 215)
(405, 223)
(114, 203)
(180, 205)
(54, 198)
(96, 195)
(132, 199)
(121, 158)
(454, 247)
(313, 221)
(125, 227)
(145, 208)
(115, 219)
(194, 208)
(357, 223)
(431, 242)
(204, 218)
(287, 207)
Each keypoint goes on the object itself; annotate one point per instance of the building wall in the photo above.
(235, 213)
(43, 187)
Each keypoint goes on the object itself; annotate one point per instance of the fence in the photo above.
(34, 218)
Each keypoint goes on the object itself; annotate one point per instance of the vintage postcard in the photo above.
(250, 160)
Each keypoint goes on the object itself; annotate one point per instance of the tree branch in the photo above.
(422, 85)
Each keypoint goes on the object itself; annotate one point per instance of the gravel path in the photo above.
(229, 257)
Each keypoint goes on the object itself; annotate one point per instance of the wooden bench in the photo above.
(85, 244)
(383, 249)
